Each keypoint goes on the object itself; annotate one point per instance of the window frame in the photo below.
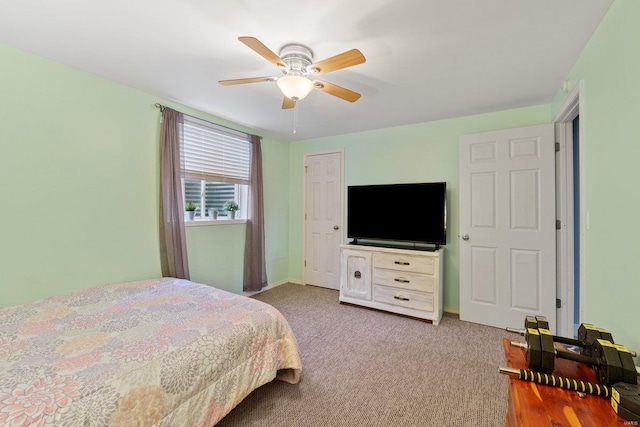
(239, 155)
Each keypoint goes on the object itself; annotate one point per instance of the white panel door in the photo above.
(323, 219)
(507, 226)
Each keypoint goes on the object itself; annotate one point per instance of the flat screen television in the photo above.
(398, 212)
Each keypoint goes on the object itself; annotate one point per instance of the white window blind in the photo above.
(215, 153)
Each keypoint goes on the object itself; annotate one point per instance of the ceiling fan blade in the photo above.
(287, 103)
(335, 90)
(263, 51)
(243, 81)
(346, 59)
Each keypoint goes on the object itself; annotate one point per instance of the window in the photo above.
(216, 162)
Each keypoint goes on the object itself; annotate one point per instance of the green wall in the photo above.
(609, 67)
(417, 153)
(79, 187)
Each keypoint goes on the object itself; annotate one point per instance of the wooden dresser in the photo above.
(403, 281)
(537, 405)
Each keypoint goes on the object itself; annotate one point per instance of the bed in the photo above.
(163, 352)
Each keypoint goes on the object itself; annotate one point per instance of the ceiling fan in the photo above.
(296, 63)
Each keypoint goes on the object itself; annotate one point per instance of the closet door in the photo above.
(323, 219)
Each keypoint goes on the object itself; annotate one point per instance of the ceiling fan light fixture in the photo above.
(295, 87)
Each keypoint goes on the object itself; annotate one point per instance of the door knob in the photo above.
(465, 237)
(336, 227)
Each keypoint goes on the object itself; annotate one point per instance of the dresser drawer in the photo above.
(404, 279)
(403, 298)
(402, 262)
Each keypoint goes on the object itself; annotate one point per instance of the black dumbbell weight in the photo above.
(533, 322)
(548, 351)
(587, 334)
(539, 351)
(542, 321)
(606, 360)
(625, 400)
(629, 370)
(533, 354)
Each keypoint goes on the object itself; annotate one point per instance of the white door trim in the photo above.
(304, 202)
(572, 107)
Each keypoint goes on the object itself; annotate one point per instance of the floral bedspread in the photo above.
(163, 352)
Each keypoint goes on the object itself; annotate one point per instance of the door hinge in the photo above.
(305, 262)
(558, 303)
(558, 224)
(557, 147)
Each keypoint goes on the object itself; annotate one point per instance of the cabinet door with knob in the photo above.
(355, 274)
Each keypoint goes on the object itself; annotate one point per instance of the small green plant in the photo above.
(230, 205)
(190, 206)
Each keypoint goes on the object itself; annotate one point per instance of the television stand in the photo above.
(398, 280)
(394, 245)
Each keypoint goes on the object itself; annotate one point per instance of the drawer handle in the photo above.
(402, 263)
(401, 298)
(401, 280)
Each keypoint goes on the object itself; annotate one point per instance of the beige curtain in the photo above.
(173, 244)
(255, 273)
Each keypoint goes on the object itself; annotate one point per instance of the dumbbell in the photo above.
(612, 363)
(587, 334)
(542, 355)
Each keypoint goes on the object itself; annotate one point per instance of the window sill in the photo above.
(200, 222)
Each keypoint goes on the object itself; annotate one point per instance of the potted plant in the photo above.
(189, 211)
(230, 206)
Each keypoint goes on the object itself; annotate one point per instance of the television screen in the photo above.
(398, 212)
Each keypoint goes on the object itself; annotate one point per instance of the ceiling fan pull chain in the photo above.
(295, 116)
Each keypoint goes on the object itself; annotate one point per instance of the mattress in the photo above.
(162, 352)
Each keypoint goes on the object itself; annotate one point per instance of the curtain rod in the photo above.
(162, 107)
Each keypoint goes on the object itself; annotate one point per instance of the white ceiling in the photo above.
(426, 59)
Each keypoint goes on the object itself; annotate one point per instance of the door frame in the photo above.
(305, 156)
(565, 254)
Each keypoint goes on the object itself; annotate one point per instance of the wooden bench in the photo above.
(538, 405)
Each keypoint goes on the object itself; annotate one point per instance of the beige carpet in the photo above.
(362, 367)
